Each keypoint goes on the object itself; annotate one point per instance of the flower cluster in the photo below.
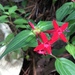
(45, 44)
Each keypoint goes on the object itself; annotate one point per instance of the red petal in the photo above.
(64, 26)
(62, 36)
(41, 52)
(54, 38)
(39, 47)
(50, 31)
(38, 41)
(31, 25)
(43, 37)
(55, 24)
(48, 49)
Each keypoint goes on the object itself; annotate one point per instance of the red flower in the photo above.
(31, 25)
(45, 46)
(58, 31)
(35, 30)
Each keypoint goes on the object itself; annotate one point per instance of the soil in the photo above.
(40, 10)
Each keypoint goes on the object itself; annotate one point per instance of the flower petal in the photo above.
(62, 36)
(39, 47)
(43, 37)
(64, 26)
(42, 52)
(48, 50)
(31, 25)
(50, 31)
(55, 24)
(54, 38)
(38, 41)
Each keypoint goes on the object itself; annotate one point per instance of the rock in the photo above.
(1, 36)
(8, 66)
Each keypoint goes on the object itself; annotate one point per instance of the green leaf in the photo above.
(33, 42)
(24, 3)
(3, 18)
(71, 28)
(71, 49)
(22, 26)
(21, 11)
(1, 7)
(16, 54)
(6, 13)
(27, 57)
(12, 9)
(73, 40)
(20, 21)
(71, 16)
(64, 66)
(6, 7)
(46, 25)
(19, 41)
(54, 1)
(25, 48)
(15, 15)
(27, 14)
(9, 38)
(2, 44)
(57, 52)
(74, 5)
(63, 11)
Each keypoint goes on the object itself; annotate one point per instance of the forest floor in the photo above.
(40, 10)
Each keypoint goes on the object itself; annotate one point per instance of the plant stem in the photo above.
(53, 56)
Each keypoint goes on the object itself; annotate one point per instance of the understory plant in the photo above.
(44, 34)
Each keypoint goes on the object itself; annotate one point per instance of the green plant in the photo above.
(37, 35)
(12, 15)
